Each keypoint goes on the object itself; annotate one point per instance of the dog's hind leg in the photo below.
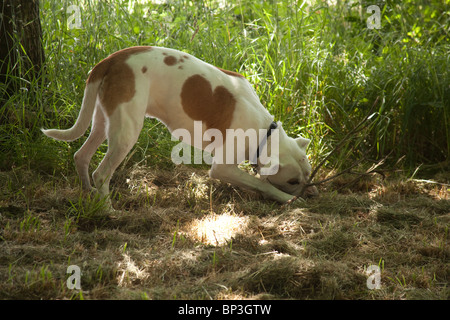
(84, 155)
(124, 127)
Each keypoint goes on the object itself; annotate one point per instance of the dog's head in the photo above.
(292, 168)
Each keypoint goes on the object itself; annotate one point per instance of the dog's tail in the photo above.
(84, 117)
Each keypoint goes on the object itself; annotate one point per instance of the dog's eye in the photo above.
(293, 182)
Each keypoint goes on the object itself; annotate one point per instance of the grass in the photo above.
(187, 237)
(316, 67)
(177, 234)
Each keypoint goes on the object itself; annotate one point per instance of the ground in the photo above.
(176, 234)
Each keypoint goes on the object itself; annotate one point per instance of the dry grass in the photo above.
(181, 235)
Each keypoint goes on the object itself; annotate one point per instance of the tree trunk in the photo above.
(21, 51)
(6, 39)
(30, 34)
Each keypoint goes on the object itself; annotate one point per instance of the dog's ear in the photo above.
(302, 142)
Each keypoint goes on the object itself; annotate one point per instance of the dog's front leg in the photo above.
(232, 174)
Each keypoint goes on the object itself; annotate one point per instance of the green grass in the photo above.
(317, 68)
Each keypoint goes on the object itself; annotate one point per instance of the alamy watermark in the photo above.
(374, 21)
(240, 145)
(74, 20)
(374, 280)
(74, 280)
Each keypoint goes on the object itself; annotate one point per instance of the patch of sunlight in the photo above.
(217, 229)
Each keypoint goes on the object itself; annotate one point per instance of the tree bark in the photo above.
(21, 52)
(30, 34)
(6, 39)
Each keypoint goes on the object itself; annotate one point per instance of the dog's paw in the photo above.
(292, 202)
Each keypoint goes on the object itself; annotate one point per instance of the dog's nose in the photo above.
(312, 191)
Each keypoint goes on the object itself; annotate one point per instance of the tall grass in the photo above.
(316, 67)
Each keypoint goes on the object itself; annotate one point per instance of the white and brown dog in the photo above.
(179, 90)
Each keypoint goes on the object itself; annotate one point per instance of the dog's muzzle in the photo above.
(311, 191)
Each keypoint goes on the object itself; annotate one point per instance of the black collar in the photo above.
(272, 127)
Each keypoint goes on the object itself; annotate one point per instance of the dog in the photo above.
(180, 90)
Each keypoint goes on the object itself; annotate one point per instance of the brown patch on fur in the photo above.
(120, 56)
(201, 103)
(231, 73)
(118, 83)
(144, 69)
(170, 60)
(180, 67)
